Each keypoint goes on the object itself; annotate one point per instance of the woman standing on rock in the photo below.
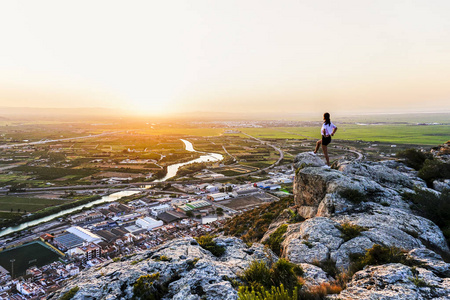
(327, 131)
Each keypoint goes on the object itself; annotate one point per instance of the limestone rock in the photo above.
(307, 159)
(311, 241)
(383, 212)
(441, 185)
(430, 261)
(397, 282)
(188, 271)
(313, 275)
(317, 192)
(395, 227)
(386, 174)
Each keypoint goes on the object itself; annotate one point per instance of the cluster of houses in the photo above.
(116, 229)
(39, 281)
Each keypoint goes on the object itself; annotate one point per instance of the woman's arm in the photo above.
(334, 131)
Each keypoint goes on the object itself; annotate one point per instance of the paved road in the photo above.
(359, 155)
(274, 147)
(224, 149)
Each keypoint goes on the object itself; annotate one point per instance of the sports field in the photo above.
(26, 256)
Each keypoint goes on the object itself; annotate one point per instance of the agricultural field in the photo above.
(27, 204)
(242, 203)
(26, 256)
(18, 133)
(183, 131)
(396, 134)
(142, 151)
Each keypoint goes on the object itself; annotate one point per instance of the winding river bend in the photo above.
(171, 172)
(104, 199)
(173, 169)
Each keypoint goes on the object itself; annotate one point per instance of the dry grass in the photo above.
(320, 292)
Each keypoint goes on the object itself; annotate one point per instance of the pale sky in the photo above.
(232, 56)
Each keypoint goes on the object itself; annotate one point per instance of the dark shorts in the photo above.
(326, 140)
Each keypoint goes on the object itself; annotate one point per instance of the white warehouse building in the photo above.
(84, 234)
(148, 223)
(156, 210)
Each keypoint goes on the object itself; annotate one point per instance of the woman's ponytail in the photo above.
(326, 117)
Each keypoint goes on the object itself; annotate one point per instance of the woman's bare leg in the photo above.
(319, 142)
(325, 152)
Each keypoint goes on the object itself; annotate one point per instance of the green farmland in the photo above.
(27, 204)
(397, 134)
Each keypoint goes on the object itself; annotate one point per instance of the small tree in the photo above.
(219, 211)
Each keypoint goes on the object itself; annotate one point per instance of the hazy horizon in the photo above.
(105, 114)
(253, 58)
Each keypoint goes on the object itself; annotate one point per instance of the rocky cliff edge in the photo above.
(365, 195)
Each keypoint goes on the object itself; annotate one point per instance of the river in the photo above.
(173, 169)
(104, 199)
(171, 172)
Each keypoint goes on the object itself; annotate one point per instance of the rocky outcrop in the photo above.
(363, 196)
(395, 282)
(441, 185)
(187, 271)
(374, 205)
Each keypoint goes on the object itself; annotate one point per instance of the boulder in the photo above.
(430, 261)
(396, 282)
(385, 174)
(441, 185)
(307, 159)
(311, 241)
(313, 275)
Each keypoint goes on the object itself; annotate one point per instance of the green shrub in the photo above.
(352, 195)
(434, 169)
(378, 255)
(70, 293)
(308, 244)
(328, 266)
(350, 231)
(207, 243)
(253, 224)
(294, 217)
(276, 238)
(275, 293)
(433, 207)
(419, 282)
(191, 263)
(164, 258)
(146, 287)
(285, 273)
(259, 276)
(413, 158)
